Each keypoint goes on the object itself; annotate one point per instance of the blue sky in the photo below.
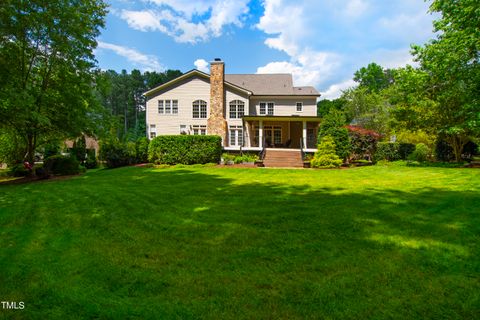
(321, 42)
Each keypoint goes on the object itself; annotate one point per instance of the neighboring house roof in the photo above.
(270, 84)
(253, 84)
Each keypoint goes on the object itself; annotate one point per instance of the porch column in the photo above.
(304, 134)
(260, 133)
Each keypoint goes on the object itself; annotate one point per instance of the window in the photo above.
(267, 108)
(237, 109)
(161, 110)
(299, 106)
(199, 109)
(153, 131)
(236, 135)
(168, 106)
(199, 130)
(273, 135)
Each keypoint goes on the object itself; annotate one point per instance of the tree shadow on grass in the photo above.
(194, 244)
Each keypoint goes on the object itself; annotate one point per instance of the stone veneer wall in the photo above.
(216, 123)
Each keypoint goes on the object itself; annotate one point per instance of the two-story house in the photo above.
(249, 111)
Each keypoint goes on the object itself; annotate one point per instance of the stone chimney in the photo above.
(216, 123)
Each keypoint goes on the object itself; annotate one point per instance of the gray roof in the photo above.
(270, 84)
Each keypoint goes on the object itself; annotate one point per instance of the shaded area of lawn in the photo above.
(244, 243)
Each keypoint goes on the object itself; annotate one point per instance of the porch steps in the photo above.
(286, 158)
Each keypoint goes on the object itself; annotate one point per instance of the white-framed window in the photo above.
(153, 131)
(199, 130)
(273, 135)
(168, 106)
(199, 109)
(267, 108)
(236, 135)
(299, 106)
(237, 109)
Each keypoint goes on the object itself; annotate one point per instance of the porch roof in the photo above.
(282, 118)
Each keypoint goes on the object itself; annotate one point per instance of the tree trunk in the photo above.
(457, 143)
(31, 146)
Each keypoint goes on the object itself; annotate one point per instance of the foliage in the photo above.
(116, 153)
(19, 170)
(415, 137)
(370, 110)
(12, 148)
(326, 156)
(141, 147)
(421, 153)
(363, 142)
(51, 148)
(392, 151)
(227, 157)
(62, 165)
(79, 149)
(46, 62)
(121, 94)
(325, 106)
(374, 77)
(91, 161)
(185, 149)
(333, 125)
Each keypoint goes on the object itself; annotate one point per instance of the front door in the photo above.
(296, 128)
(273, 136)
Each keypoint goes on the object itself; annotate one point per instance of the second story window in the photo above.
(267, 108)
(299, 106)
(168, 106)
(199, 110)
(237, 109)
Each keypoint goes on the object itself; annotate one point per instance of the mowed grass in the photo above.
(225, 243)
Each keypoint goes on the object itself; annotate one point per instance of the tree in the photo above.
(374, 77)
(324, 106)
(326, 157)
(46, 61)
(448, 91)
(333, 125)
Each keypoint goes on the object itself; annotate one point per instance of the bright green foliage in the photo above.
(141, 146)
(415, 137)
(374, 78)
(325, 106)
(326, 157)
(185, 149)
(421, 153)
(392, 151)
(189, 242)
(117, 153)
(333, 125)
(46, 62)
(12, 147)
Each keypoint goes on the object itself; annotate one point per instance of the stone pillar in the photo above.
(216, 123)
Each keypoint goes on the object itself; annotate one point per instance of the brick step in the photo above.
(282, 158)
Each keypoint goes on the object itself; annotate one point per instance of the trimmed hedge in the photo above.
(117, 154)
(393, 151)
(62, 165)
(184, 149)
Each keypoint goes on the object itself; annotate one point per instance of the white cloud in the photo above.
(335, 90)
(143, 61)
(181, 19)
(356, 8)
(202, 65)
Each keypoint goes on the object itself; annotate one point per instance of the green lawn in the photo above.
(219, 243)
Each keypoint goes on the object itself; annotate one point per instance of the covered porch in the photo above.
(285, 132)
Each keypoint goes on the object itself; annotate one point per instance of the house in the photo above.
(249, 111)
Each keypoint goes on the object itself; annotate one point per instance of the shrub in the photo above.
(393, 151)
(443, 151)
(326, 157)
(12, 148)
(19, 170)
(420, 154)
(91, 161)
(79, 149)
(363, 141)
(62, 165)
(51, 149)
(333, 125)
(117, 154)
(141, 146)
(185, 149)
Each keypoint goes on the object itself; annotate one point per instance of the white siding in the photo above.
(286, 106)
(185, 92)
